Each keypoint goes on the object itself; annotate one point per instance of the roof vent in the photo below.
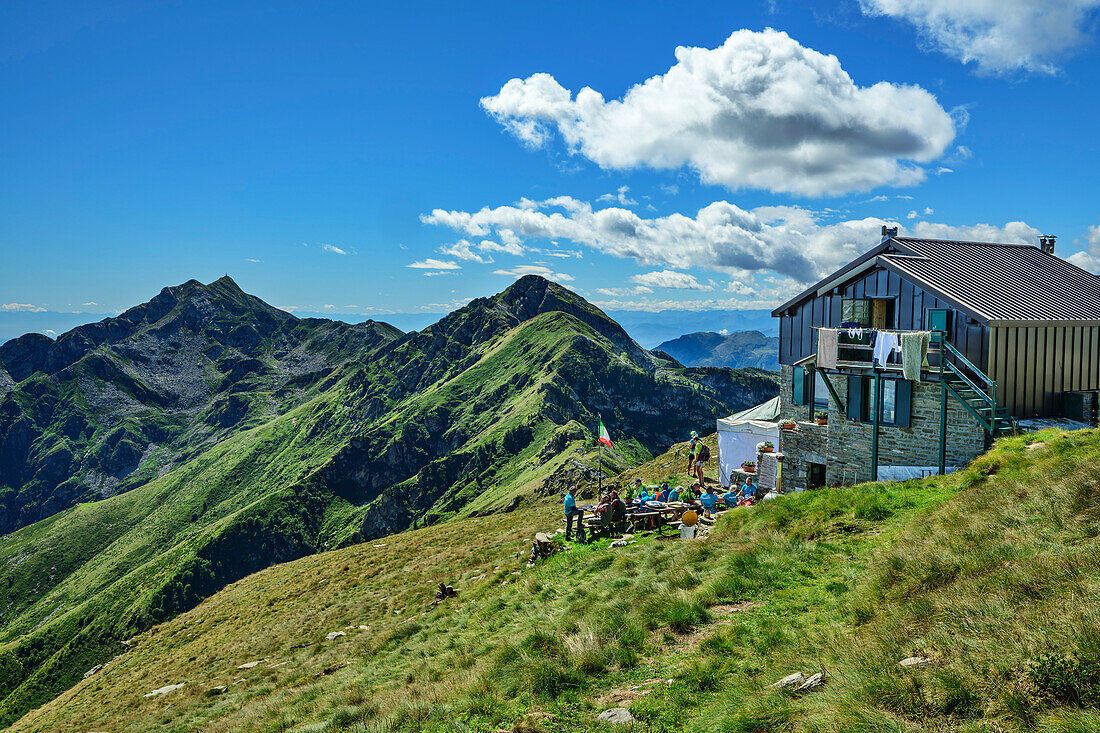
(1046, 243)
(888, 232)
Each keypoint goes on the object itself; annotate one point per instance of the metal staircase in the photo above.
(975, 391)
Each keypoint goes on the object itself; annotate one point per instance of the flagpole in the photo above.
(599, 464)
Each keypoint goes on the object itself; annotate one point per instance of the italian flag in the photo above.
(605, 438)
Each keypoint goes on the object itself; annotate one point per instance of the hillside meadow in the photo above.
(986, 573)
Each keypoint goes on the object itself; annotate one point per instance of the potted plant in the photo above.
(766, 447)
(787, 424)
(822, 418)
(748, 466)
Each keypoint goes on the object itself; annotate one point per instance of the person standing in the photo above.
(572, 512)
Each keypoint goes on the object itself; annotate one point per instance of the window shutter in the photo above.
(855, 398)
(904, 403)
(798, 385)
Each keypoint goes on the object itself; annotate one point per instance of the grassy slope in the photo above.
(986, 570)
(84, 579)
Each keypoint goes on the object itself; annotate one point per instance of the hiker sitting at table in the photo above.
(618, 508)
(709, 500)
(674, 495)
(730, 497)
(747, 495)
(572, 512)
(662, 494)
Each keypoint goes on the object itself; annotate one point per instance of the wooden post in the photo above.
(599, 459)
(874, 433)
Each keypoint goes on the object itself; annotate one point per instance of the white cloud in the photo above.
(669, 279)
(438, 273)
(328, 305)
(624, 292)
(944, 170)
(671, 189)
(997, 36)
(912, 215)
(9, 307)
(928, 211)
(333, 249)
(90, 302)
(252, 259)
(51, 333)
(1090, 258)
(619, 196)
(432, 264)
(521, 270)
(788, 240)
(760, 111)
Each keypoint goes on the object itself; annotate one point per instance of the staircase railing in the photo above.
(954, 364)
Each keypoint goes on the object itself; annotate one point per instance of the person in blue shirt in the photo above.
(662, 495)
(674, 495)
(571, 513)
(747, 493)
(708, 499)
(730, 498)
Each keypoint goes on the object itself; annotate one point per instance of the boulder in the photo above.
(164, 690)
(333, 634)
(250, 665)
(615, 715)
(814, 680)
(790, 681)
(219, 690)
(915, 662)
(92, 671)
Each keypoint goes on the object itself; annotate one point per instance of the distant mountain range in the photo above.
(738, 350)
(150, 459)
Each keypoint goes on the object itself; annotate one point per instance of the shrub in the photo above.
(1067, 678)
(682, 615)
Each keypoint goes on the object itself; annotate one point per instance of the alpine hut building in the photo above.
(988, 334)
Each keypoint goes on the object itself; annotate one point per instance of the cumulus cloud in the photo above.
(669, 279)
(10, 307)
(521, 270)
(997, 37)
(1090, 258)
(333, 249)
(624, 292)
(433, 264)
(619, 196)
(790, 241)
(760, 111)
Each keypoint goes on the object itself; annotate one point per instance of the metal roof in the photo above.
(991, 281)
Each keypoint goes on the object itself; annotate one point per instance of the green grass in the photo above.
(987, 571)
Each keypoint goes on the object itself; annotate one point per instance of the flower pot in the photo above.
(788, 426)
(767, 449)
(823, 422)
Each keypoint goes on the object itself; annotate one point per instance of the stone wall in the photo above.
(844, 446)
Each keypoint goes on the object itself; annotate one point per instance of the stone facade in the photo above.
(844, 446)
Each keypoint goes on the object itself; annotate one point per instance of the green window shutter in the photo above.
(855, 398)
(798, 385)
(904, 403)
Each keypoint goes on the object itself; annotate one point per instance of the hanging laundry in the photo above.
(886, 343)
(826, 348)
(914, 353)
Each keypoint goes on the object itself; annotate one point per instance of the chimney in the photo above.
(888, 232)
(1046, 243)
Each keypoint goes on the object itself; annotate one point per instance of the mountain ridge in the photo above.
(736, 350)
(474, 414)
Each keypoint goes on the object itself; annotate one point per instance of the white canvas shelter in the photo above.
(738, 435)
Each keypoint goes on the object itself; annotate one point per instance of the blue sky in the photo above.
(315, 151)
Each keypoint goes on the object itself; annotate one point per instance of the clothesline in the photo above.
(912, 345)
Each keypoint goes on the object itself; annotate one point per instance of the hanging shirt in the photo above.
(886, 343)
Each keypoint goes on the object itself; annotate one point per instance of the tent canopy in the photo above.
(738, 435)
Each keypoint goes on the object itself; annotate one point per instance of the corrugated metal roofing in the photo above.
(1002, 282)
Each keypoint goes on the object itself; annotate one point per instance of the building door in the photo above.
(815, 475)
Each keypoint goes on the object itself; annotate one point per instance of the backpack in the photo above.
(704, 453)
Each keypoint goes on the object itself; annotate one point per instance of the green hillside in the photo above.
(986, 573)
(477, 414)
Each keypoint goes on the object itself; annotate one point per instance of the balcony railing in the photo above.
(855, 351)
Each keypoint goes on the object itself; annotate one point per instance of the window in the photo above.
(855, 310)
(896, 401)
(821, 392)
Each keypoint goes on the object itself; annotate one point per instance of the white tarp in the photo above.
(737, 441)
